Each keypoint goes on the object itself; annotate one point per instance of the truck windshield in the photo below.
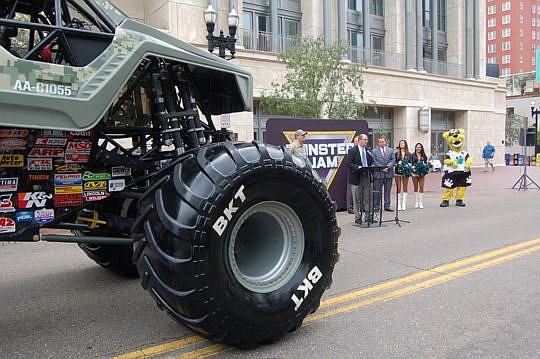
(111, 11)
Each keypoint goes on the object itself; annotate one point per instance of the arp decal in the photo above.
(7, 225)
(307, 285)
(117, 185)
(68, 200)
(95, 185)
(9, 184)
(221, 223)
(67, 179)
(11, 160)
(46, 152)
(12, 144)
(44, 215)
(33, 199)
(24, 217)
(40, 164)
(13, 133)
(6, 205)
(51, 141)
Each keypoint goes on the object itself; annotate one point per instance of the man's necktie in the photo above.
(363, 155)
(383, 152)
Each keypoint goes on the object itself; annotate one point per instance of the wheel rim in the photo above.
(266, 246)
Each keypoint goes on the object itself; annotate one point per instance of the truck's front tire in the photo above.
(238, 243)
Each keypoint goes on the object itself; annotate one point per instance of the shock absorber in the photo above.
(193, 122)
(174, 127)
(159, 105)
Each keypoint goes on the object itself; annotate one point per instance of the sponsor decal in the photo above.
(33, 199)
(9, 184)
(44, 215)
(11, 160)
(7, 225)
(67, 190)
(121, 171)
(117, 185)
(13, 133)
(6, 205)
(80, 133)
(39, 176)
(95, 185)
(68, 167)
(307, 285)
(12, 144)
(67, 179)
(79, 147)
(50, 141)
(77, 158)
(46, 152)
(223, 221)
(40, 164)
(24, 217)
(90, 176)
(68, 200)
(95, 195)
(53, 133)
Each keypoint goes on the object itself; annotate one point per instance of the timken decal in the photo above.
(11, 160)
(39, 176)
(46, 152)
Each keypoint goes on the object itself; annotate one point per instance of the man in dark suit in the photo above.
(359, 159)
(383, 156)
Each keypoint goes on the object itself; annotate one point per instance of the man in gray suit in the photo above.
(383, 156)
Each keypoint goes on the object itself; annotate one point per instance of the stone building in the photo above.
(422, 55)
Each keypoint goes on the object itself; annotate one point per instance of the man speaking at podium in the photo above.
(359, 159)
(383, 156)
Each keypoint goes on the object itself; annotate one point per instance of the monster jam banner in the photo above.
(327, 144)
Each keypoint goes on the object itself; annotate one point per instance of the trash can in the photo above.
(507, 159)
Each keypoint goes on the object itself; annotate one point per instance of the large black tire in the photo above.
(238, 243)
(115, 258)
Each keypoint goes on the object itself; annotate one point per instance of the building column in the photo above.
(435, 30)
(419, 37)
(274, 24)
(476, 39)
(327, 21)
(469, 39)
(409, 37)
(367, 24)
(342, 21)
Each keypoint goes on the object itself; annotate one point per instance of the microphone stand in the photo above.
(396, 219)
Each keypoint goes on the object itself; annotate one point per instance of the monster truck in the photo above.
(106, 136)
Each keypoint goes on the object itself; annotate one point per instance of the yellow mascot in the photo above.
(457, 168)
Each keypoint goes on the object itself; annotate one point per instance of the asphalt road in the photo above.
(452, 283)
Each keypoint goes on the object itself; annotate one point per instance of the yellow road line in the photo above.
(439, 271)
(414, 277)
(160, 349)
(204, 352)
(419, 286)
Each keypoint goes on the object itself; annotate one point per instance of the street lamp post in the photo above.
(222, 42)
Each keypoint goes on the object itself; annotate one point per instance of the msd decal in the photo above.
(12, 144)
(46, 152)
(40, 164)
(8, 184)
(7, 225)
(33, 199)
(79, 147)
(6, 205)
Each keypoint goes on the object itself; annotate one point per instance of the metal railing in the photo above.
(444, 68)
(377, 57)
(265, 41)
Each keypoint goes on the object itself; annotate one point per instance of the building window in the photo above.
(355, 5)
(506, 32)
(506, 19)
(533, 22)
(441, 14)
(426, 13)
(533, 35)
(506, 59)
(506, 71)
(533, 60)
(520, 59)
(491, 60)
(506, 46)
(521, 5)
(520, 32)
(491, 48)
(492, 35)
(521, 19)
(492, 9)
(492, 22)
(506, 6)
(376, 7)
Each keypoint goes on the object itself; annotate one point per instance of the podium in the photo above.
(372, 217)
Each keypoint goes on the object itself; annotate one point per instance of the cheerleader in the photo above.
(403, 172)
(419, 161)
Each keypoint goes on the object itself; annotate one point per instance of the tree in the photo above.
(318, 83)
(513, 124)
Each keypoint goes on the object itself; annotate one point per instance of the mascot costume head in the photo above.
(457, 168)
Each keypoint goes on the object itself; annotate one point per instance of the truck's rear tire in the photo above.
(238, 243)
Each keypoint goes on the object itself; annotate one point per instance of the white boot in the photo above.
(404, 202)
(421, 200)
(399, 201)
(416, 199)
